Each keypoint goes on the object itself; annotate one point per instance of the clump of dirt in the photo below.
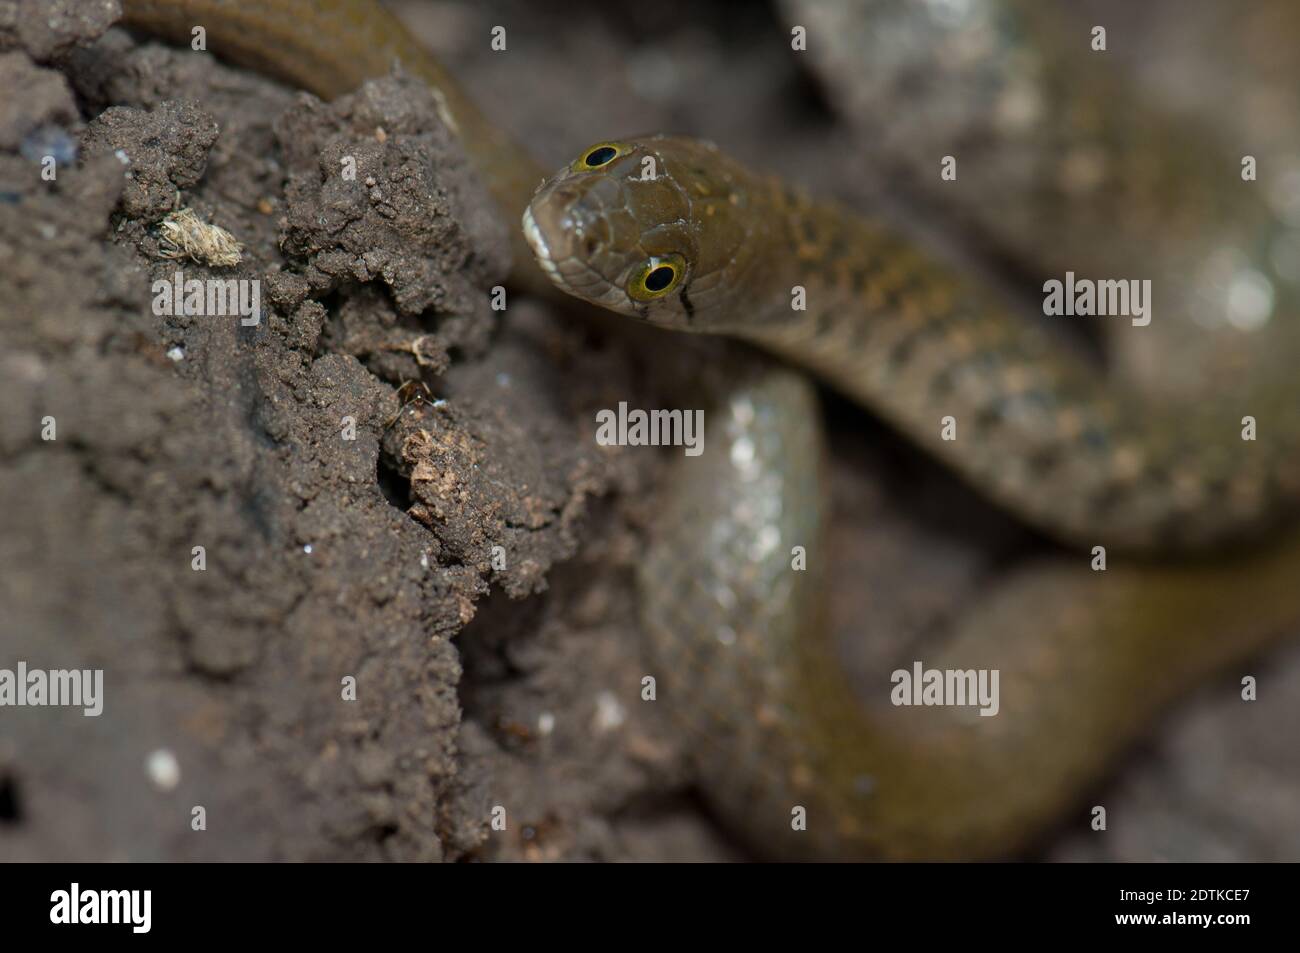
(164, 149)
(380, 189)
(257, 532)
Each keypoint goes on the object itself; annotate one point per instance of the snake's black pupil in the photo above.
(600, 156)
(659, 279)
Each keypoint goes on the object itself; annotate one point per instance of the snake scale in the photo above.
(700, 243)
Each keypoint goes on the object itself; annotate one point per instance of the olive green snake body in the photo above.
(672, 231)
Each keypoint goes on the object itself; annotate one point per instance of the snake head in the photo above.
(655, 228)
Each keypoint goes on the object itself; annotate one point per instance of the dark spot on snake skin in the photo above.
(823, 322)
(806, 232)
(1043, 461)
(941, 385)
(1153, 474)
(901, 353)
(861, 280)
(839, 248)
(1216, 488)
(989, 415)
(1102, 501)
(902, 350)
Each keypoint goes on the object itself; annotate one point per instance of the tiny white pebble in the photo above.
(424, 560)
(545, 723)
(163, 769)
(307, 549)
(176, 353)
(122, 157)
(609, 712)
(726, 635)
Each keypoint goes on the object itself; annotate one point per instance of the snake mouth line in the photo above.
(541, 251)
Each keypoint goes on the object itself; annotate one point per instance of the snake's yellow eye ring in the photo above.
(601, 154)
(657, 276)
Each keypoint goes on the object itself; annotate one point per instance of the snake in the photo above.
(794, 755)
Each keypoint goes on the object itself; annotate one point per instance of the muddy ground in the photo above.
(371, 558)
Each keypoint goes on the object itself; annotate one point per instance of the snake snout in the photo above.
(566, 236)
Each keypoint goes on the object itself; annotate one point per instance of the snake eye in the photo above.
(656, 277)
(599, 155)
